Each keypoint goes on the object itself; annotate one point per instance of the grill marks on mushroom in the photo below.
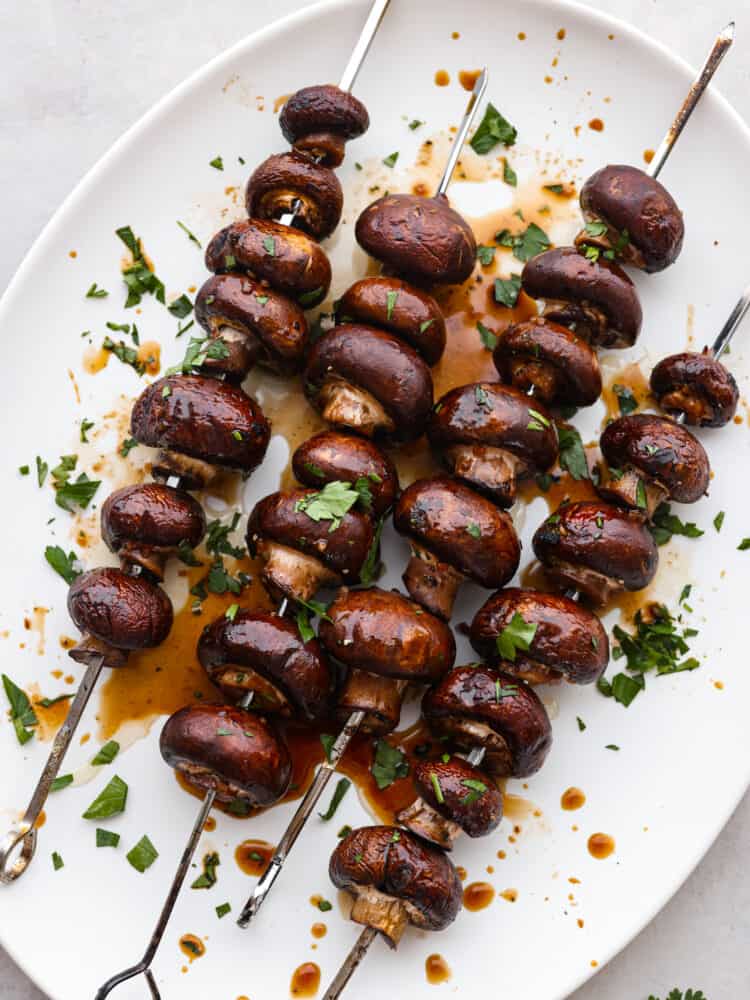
(319, 120)
(697, 386)
(294, 183)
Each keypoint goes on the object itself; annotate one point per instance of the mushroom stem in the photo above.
(350, 406)
(382, 912)
(581, 317)
(134, 557)
(426, 822)
(632, 489)
(90, 650)
(378, 697)
(289, 573)
(239, 682)
(432, 583)
(493, 469)
(597, 587)
(195, 473)
(626, 249)
(470, 734)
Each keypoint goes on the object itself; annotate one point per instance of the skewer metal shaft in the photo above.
(734, 319)
(351, 964)
(458, 143)
(360, 50)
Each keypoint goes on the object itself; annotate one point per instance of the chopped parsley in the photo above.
(476, 790)
(57, 861)
(719, 520)
(60, 782)
(507, 290)
(517, 634)
(222, 909)
(481, 397)
(391, 299)
(390, 161)
(327, 742)
(532, 241)
(217, 163)
(389, 764)
(110, 801)
(342, 788)
(125, 353)
(331, 503)
(372, 566)
(492, 130)
(625, 398)
(95, 292)
(143, 855)
(744, 545)
(488, 338)
(572, 454)
(664, 524)
(106, 838)
(538, 421)
(127, 446)
(208, 876)
(581, 724)
(41, 471)
(106, 754)
(435, 782)
(191, 236)
(65, 565)
(474, 530)
(509, 174)
(181, 307)
(485, 254)
(21, 713)
(139, 279)
(415, 123)
(197, 352)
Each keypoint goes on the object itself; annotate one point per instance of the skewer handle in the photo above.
(720, 48)
(301, 816)
(458, 143)
(360, 50)
(351, 964)
(24, 831)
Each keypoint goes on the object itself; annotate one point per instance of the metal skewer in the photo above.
(328, 768)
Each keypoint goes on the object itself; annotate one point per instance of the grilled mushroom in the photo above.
(651, 459)
(477, 706)
(454, 533)
(596, 548)
(696, 386)
(200, 423)
(560, 639)
(228, 750)
(491, 436)
(146, 523)
(557, 364)
(396, 879)
(294, 183)
(596, 299)
(421, 238)
(319, 120)
(369, 381)
(633, 214)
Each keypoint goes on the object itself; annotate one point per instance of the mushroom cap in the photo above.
(560, 366)
(331, 456)
(285, 179)
(476, 698)
(460, 527)
(203, 418)
(127, 612)
(598, 536)
(152, 514)
(381, 364)
(469, 797)
(698, 386)
(383, 633)
(228, 749)
(401, 309)
(631, 202)
(275, 328)
(565, 275)
(421, 238)
(397, 864)
(569, 639)
(323, 108)
(342, 548)
(272, 647)
(660, 449)
(283, 257)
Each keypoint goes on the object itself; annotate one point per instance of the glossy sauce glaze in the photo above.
(478, 896)
(305, 980)
(572, 798)
(436, 970)
(601, 845)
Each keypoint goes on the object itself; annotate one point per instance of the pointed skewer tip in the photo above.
(728, 33)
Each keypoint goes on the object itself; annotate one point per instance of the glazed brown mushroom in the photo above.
(302, 548)
(264, 653)
(558, 365)
(146, 523)
(331, 456)
(385, 641)
(396, 879)
(454, 534)
(199, 423)
(254, 324)
(651, 459)
(568, 641)
(632, 214)
(230, 751)
(696, 386)
(401, 309)
(294, 183)
(117, 613)
(423, 239)
(595, 299)
(282, 257)
(454, 797)
(319, 120)
(369, 381)
(477, 706)
(596, 548)
(491, 436)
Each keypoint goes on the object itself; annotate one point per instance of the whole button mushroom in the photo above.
(633, 214)
(423, 239)
(254, 324)
(264, 653)
(146, 523)
(309, 539)
(596, 548)
(385, 641)
(293, 183)
(491, 436)
(477, 706)
(651, 459)
(696, 386)
(319, 120)
(117, 614)
(540, 637)
(199, 423)
(396, 879)
(558, 365)
(282, 257)
(401, 309)
(230, 751)
(331, 456)
(455, 534)
(595, 299)
(369, 381)
(454, 797)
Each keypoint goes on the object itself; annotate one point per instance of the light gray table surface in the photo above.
(76, 74)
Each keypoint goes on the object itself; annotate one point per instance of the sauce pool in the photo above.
(478, 896)
(305, 980)
(601, 845)
(572, 798)
(436, 969)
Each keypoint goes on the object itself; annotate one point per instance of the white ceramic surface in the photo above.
(159, 174)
